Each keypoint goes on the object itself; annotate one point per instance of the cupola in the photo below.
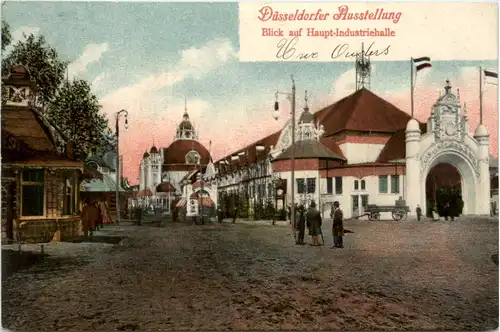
(18, 88)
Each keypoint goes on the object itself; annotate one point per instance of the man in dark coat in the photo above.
(314, 221)
(301, 225)
(338, 226)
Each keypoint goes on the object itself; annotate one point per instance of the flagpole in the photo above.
(411, 85)
(480, 95)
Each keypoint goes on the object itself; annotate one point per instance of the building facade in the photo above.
(164, 172)
(363, 150)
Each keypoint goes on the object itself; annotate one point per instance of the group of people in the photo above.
(311, 218)
(94, 215)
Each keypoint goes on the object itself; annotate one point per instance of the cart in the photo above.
(398, 212)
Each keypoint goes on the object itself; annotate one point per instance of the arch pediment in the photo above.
(448, 146)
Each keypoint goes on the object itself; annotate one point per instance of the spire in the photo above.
(210, 150)
(306, 107)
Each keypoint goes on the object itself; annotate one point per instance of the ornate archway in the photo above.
(466, 167)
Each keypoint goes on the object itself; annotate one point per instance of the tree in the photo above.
(75, 110)
(42, 62)
(6, 36)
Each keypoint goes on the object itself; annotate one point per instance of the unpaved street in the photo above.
(240, 276)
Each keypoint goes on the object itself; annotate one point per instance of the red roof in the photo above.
(176, 152)
(362, 111)
(165, 187)
(144, 193)
(395, 148)
(199, 184)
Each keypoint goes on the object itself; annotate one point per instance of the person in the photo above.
(419, 212)
(103, 208)
(338, 226)
(314, 221)
(90, 216)
(446, 210)
(301, 225)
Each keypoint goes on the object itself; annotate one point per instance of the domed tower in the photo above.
(144, 170)
(186, 130)
(154, 168)
(306, 128)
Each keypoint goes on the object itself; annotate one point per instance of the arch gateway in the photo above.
(447, 141)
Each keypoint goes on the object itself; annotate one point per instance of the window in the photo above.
(269, 189)
(382, 184)
(33, 197)
(394, 184)
(311, 185)
(338, 185)
(356, 184)
(329, 185)
(69, 202)
(363, 185)
(301, 186)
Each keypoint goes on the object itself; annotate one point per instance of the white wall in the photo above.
(300, 175)
(357, 153)
(346, 200)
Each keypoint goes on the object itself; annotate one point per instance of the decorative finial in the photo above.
(185, 104)
(447, 88)
(465, 110)
(458, 93)
(305, 99)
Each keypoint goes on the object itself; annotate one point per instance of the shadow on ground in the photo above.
(100, 239)
(14, 261)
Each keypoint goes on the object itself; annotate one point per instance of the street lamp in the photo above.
(118, 175)
(291, 97)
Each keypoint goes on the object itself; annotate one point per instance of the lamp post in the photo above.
(291, 97)
(118, 175)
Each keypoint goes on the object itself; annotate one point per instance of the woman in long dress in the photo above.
(106, 218)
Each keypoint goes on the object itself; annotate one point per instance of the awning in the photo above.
(207, 201)
(181, 203)
(91, 174)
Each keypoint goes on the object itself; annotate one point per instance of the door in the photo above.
(8, 208)
(355, 205)
(364, 203)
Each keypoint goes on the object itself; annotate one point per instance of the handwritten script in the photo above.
(289, 48)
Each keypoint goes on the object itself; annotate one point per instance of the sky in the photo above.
(148, 58)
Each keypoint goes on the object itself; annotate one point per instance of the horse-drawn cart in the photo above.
(398, 212)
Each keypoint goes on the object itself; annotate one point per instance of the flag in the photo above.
(488, 73)
(422, 63)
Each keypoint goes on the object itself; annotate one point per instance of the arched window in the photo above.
(356, 185)
(363, 185)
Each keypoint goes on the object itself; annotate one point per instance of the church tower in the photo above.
(186, 130)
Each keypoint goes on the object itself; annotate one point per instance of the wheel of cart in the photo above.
(399, 214)
(374, 216)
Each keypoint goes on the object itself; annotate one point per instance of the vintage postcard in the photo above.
(249, 166)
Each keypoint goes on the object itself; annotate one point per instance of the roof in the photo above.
(308, 149)
(153, 149)
(176, 152)
(249, 154)
(362, 111)
(145, 155)
(165, 187)
(395, 148)
(107, 184)
(27, 126)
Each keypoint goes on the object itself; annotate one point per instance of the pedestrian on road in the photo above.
(90, 217)
(301, 225)
(419, 212)
(338, 226)
(314, 221)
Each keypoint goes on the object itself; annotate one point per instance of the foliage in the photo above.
(282, 214)
(270, 210)
(75, 110)
(258, 210)
(42, 62)
(6, 35)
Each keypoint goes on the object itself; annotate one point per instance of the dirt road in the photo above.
(239, 276)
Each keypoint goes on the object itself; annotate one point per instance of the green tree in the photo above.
(42, 62)
(6, 36)
(75, 110)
